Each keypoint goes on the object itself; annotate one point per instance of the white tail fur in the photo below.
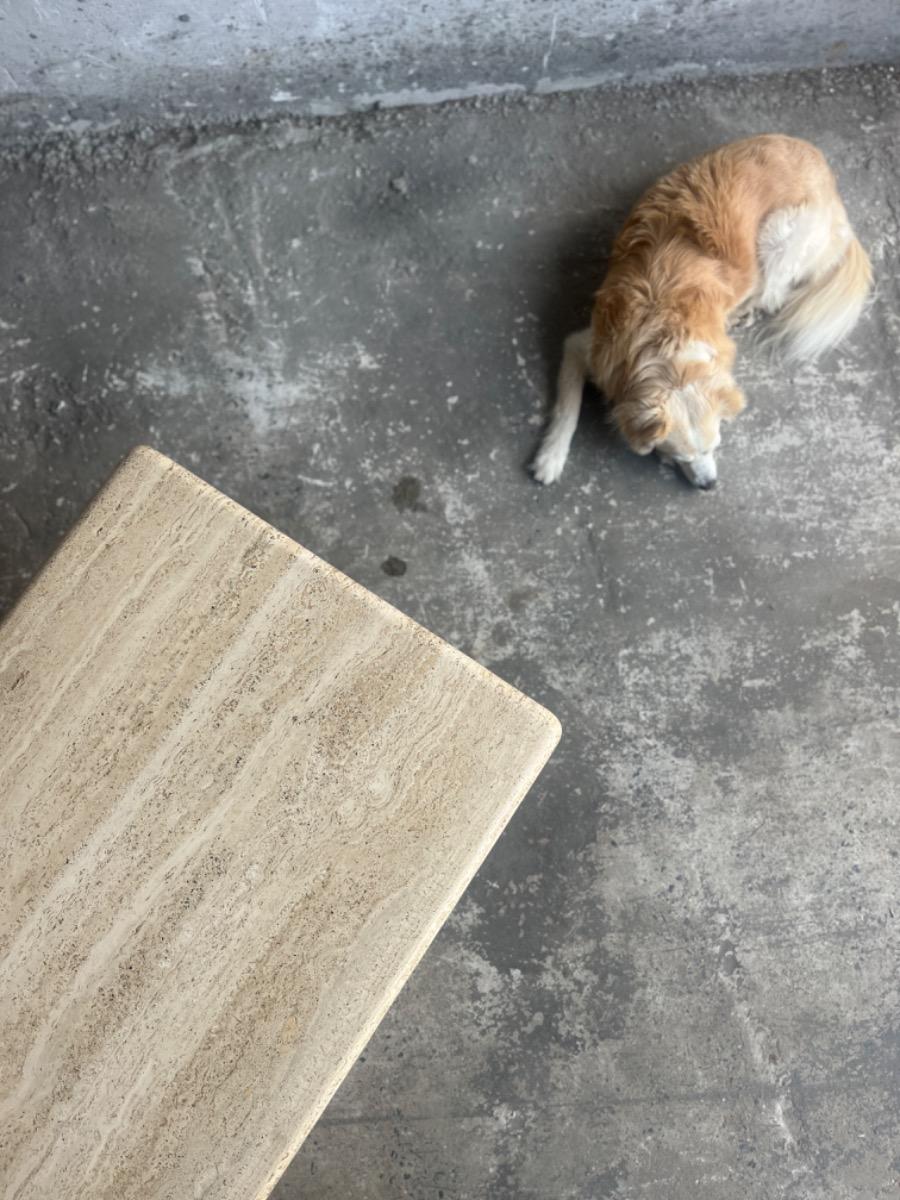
(824, 310)
(573, 372)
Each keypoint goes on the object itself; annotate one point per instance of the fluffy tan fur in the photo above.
(755, 224)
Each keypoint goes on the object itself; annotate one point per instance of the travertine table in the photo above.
(239, 797)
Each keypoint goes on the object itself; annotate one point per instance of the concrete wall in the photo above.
(88, 59)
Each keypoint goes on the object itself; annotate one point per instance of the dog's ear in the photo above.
(644, 422)
(731, 401)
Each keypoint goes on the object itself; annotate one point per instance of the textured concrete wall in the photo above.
(75, 59)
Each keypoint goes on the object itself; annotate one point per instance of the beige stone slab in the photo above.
(239, 797)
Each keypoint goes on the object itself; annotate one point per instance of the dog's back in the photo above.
(763, 217)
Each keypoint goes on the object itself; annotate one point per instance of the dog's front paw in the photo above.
(548, 464)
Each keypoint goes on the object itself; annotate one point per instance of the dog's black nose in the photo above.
(708, 486)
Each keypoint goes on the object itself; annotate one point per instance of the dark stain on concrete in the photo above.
(407, 495)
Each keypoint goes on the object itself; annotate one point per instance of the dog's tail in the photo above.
(823, 310)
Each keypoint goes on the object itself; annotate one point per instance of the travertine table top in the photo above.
(239, 796)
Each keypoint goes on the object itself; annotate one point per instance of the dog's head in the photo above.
(669, 383)
(677, 407)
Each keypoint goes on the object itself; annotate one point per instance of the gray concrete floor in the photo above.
(677, 974)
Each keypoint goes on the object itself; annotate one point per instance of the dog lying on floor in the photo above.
(756, 225)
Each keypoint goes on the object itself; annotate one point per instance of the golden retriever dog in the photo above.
(756, 225)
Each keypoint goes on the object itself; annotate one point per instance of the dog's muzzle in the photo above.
(702, 472)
